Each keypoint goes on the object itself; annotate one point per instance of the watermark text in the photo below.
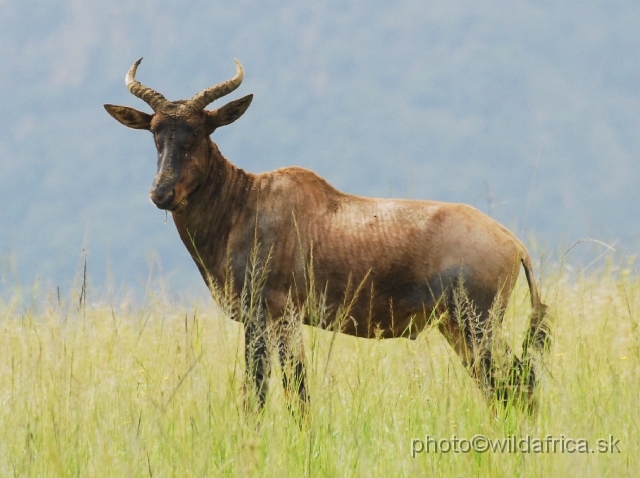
(513, 444)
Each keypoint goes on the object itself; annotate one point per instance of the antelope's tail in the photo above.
(538, 335)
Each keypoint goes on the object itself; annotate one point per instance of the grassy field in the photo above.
(121, 390)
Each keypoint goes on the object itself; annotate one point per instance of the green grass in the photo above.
(116, 390)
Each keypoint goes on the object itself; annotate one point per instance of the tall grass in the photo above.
(122, 390)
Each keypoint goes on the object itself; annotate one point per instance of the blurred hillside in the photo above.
(529, 110)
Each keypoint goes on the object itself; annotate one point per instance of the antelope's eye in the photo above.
(196, 132)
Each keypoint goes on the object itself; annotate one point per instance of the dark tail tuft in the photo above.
(539, 333)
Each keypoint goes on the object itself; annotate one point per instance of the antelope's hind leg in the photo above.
(473, 318)
(467, 328)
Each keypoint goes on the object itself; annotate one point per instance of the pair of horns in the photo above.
(198, 102)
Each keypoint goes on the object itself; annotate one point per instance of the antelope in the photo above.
(405, 264)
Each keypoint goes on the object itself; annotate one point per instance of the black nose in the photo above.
(162, 199)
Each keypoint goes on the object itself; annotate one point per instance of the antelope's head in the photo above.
(181, 130)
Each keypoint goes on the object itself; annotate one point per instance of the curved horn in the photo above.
(202, 99)
(146, 94)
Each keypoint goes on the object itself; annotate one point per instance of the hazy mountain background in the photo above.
(529, 110)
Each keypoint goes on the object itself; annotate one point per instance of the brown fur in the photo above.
(407, 258)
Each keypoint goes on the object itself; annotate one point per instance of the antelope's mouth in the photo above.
(176, 201)
(169, 202)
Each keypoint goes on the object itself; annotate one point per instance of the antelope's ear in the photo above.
(130, 117)
(227, 114)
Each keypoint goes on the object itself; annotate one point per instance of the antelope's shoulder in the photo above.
(292, 177)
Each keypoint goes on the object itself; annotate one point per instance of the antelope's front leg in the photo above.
(291, 354)
(256, 361)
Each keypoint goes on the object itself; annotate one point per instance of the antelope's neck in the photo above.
(205, 225)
